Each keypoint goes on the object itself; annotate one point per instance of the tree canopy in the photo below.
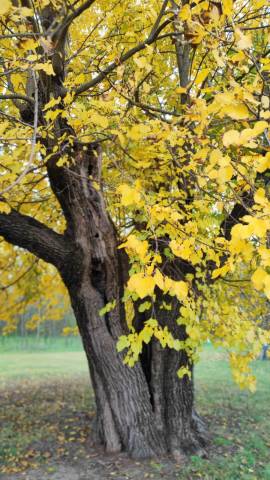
(174, 99)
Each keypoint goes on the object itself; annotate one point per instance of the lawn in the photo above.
(47, 407)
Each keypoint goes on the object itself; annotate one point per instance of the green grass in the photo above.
(30, 343)
(41, 358)
(43, 391)
(239, 421)
(42, 365)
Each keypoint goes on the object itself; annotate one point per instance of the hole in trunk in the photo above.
(146, 360)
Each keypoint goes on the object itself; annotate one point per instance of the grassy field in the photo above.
(32, 344)
(46, 406)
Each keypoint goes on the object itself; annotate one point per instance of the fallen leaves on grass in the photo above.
(43, 421)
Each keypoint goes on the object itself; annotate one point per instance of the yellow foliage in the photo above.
(179, 157)
(129, 195)
(5, 6)
(141, 285)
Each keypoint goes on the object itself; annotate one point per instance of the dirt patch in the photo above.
(119, 468)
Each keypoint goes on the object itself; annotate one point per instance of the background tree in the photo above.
(135, 160)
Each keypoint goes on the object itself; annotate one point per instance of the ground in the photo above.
(47, 409)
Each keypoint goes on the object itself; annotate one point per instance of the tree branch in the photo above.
(239, 210)
(112, 66)
(63, 27)
(32, 235)
(76, 13)
(17, 96)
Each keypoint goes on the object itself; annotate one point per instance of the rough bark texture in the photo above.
(146, 410)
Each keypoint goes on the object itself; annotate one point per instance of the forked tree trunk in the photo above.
(145, 410)
(145, 413)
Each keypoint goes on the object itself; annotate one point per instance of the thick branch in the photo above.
(16, 96)
(69, 19)
(37, 238)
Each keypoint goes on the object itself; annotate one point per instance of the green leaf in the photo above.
(123, 342)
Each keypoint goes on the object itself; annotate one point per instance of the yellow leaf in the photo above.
(5, 6)
(227, 7)
(220, 271)
(225, 174)
(258, 278)
(138, 246)
(257, 226)
(237, 57)
(243, 41)
(180, 290)
(137, 131)
(142, 62)
(185, 13)
(123, 342)
(236, 111)
(260, 197)
(159, 279)
(98, 119)
(26, 12)
(141, 285)
(182, 249)
(129, 195)
(183, 371)
(28, 44)
(202, 76)
(52, 114)
(46, 67)
(260, 127)
(231, 137)
(181, 90)
(146, 334)
(4, 207)
(52, 103)
(263, 163)
(265, 114)
(193, 332)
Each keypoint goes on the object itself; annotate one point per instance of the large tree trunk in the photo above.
(145, 410)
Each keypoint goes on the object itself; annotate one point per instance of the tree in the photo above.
(135, 160)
